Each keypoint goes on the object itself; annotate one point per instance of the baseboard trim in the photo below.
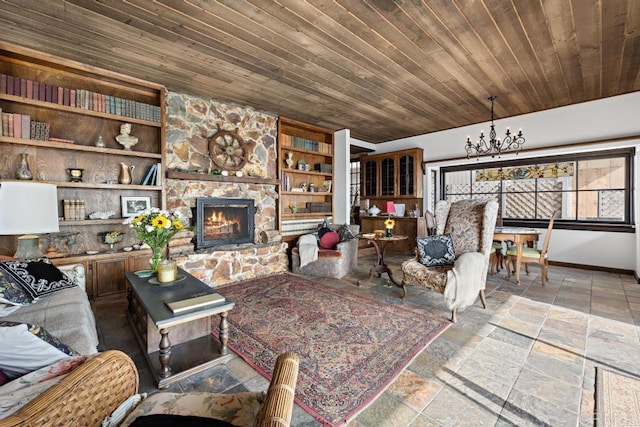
(596, 268)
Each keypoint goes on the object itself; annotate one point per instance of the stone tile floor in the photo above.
(528, 360)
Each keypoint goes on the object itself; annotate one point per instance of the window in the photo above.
(590, 191)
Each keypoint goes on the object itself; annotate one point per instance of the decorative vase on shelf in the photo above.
(110, 238)
(388, 232)
(23, 170)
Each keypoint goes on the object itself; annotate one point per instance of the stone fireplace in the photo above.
(220, 222)
(227, 251)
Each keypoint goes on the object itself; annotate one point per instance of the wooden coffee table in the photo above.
(179, 345)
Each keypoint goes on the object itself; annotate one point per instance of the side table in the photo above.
(381, 244)
(178, 345)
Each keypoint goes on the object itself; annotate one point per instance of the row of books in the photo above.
(80, 98)
(301, 226)
(305, 144)
(153, 175)
(21, 126)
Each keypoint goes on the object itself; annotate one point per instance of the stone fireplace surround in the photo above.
(190, 122)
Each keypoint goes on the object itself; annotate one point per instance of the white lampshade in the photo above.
(28, 207)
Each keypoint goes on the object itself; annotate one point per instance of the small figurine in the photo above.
(289, 160)
(100, 142)
(303, 186)
(125, 139)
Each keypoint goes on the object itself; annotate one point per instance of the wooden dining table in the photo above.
(519, 236)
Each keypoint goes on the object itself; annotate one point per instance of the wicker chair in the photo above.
(84, 397)
(471, 224)
(97, 387)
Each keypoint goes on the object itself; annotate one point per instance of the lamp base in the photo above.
(28, 247)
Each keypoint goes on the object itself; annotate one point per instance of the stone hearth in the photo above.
(191, 121)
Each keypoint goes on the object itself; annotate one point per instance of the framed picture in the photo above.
(131, 206)
(326, 186)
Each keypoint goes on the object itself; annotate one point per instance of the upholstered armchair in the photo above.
(470, 224)
(334, 263)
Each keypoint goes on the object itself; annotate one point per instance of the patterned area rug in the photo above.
(351, 347)
(617, 399)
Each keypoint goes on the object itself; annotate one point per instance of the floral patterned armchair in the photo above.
(471, 224)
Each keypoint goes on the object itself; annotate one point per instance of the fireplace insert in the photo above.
(223, 221)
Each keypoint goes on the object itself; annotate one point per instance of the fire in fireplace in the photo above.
(223, 221)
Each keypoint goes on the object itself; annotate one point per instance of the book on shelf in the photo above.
(17, 125)
(36, 91)
(26, 126)
(158, 180)
(10, 124)
(9, 85)
(3, 83)
(148, 176)
(5, 124)
(29, 93)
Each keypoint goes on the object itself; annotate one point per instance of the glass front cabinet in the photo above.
(392, 175)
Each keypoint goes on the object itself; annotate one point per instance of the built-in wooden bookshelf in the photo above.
(103, 101)
(305, 161)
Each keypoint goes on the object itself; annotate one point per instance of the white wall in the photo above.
(341, 177)
(545, 131)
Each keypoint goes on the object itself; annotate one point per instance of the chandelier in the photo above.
(494, 146)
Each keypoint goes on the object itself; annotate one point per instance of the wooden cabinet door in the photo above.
(407, 175)
(369, 178)
(109, 277)
(139, 262)
(388, 177)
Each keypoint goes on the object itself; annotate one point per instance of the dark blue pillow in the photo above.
(436, 251)
(37, 278)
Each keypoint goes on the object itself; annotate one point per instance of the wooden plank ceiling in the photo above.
(384, 69)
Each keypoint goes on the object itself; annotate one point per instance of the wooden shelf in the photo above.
(196, 176)
(76, 110)
(316, 173)
(303, 215)
(303, 151)
(78, 147)
(90, 222)
(307, 193)
(62, 184)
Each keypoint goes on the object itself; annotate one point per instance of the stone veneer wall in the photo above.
(191, 121)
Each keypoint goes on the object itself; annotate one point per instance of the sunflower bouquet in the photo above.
(389, 223)
(156, 227)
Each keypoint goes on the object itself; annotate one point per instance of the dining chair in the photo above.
(532, 255)
(496, 259)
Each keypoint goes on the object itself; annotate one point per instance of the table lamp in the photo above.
(28, 209)
(389, 208)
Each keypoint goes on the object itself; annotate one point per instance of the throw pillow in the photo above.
(25, 348)
(345, 233)
(12, 293)
(37, 278)
(436, 251)
(324, 228)
(329, 240)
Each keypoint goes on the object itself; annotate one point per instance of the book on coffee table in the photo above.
(196, 302)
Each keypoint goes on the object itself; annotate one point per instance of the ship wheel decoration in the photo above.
(228, 150)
